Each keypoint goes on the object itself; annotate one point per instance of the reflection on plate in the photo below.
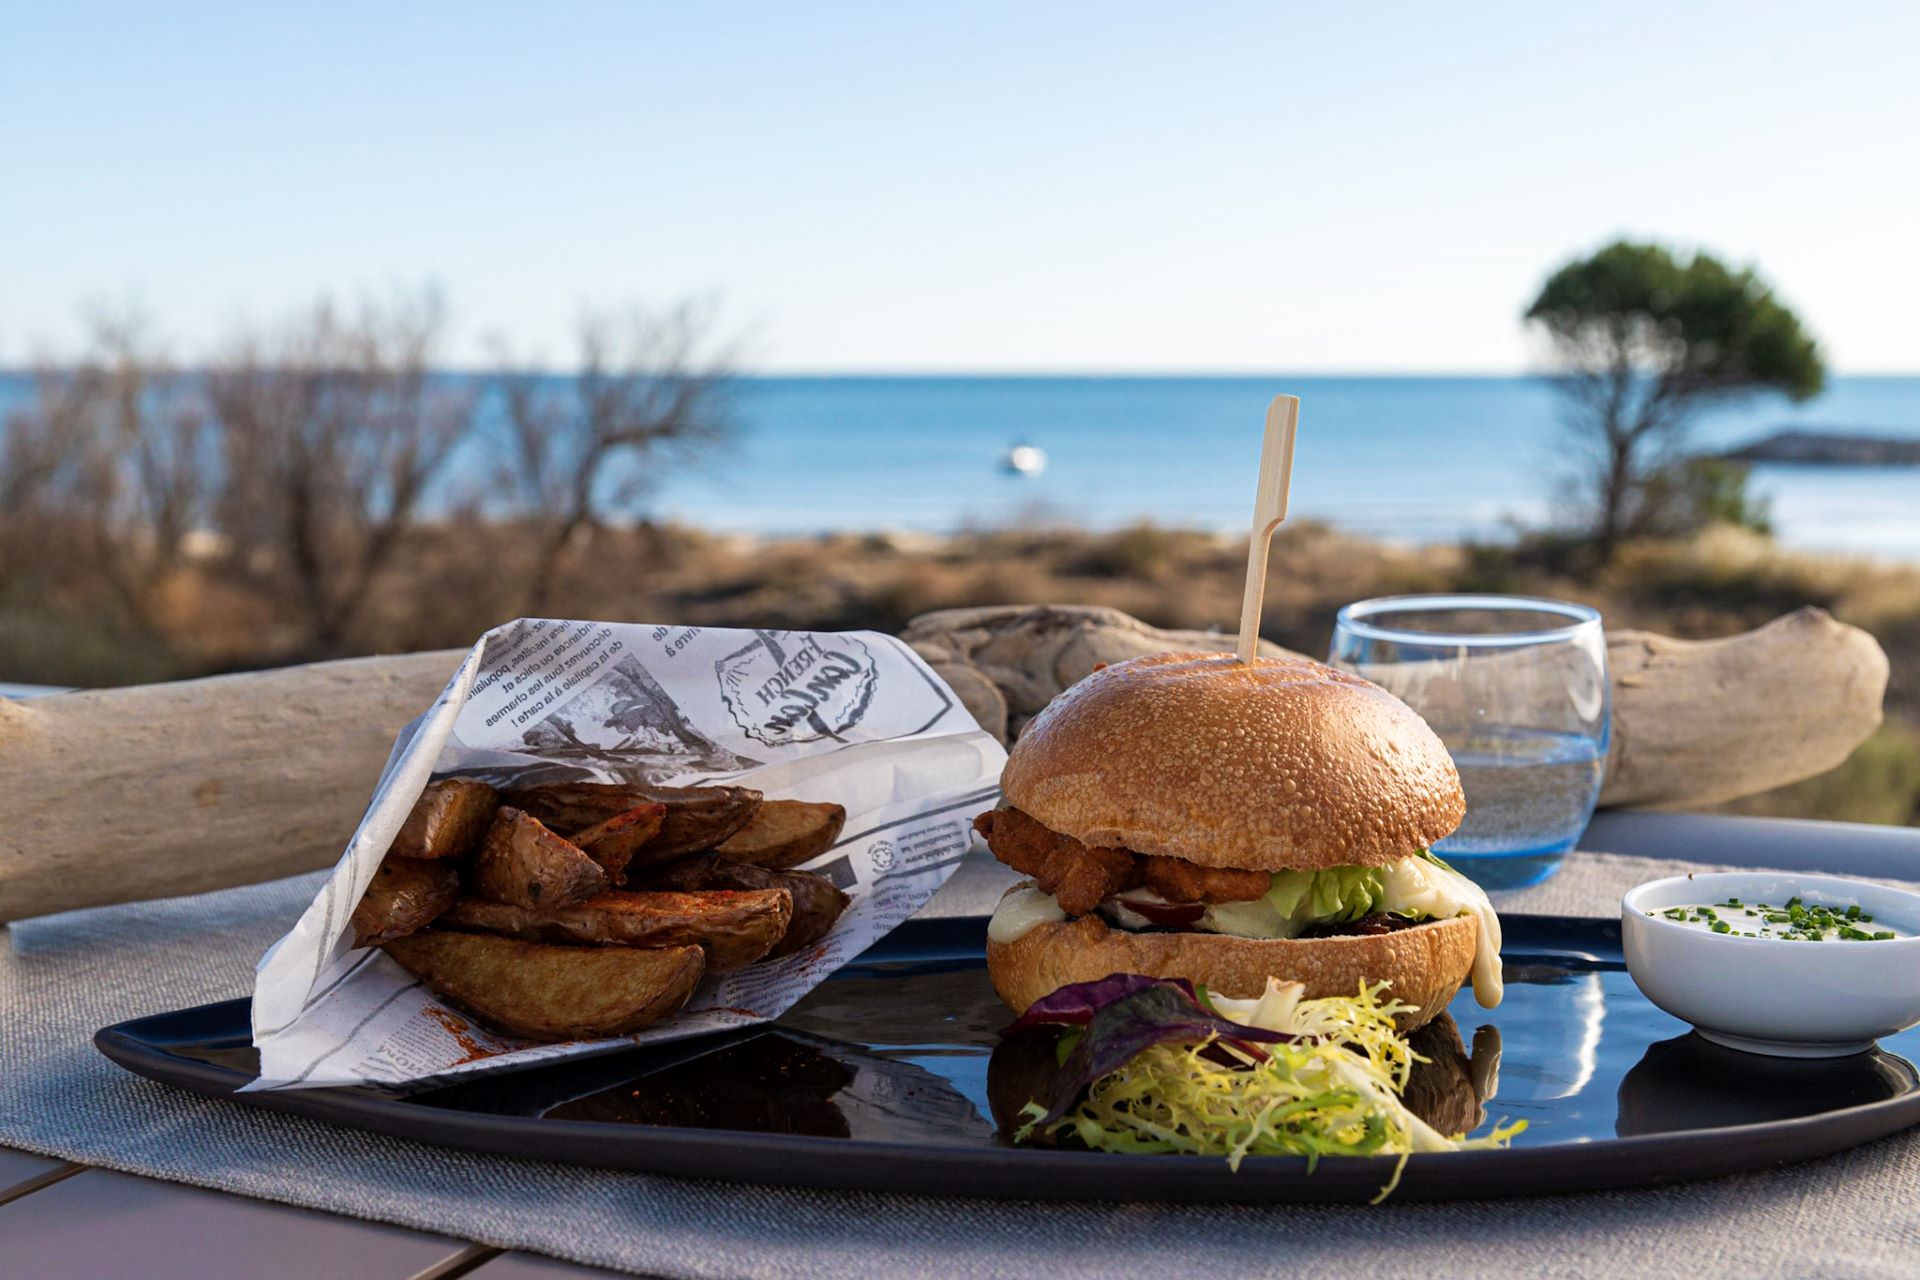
(1691, 1083)
(1553, 1021)
(781, 1081)
(1450, 1089)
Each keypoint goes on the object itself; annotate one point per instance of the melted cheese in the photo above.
(1023, 910)
(1417, 885)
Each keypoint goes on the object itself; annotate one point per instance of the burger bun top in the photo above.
(1275, 765)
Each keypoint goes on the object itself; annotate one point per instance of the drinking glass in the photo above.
(1517, 689)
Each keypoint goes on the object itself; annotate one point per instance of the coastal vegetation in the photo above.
(319, 490)
(448, 580)
(1641, 339)
(297, 468)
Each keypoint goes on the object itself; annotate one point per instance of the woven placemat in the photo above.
(62, 977)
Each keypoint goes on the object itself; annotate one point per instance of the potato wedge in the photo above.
(733, 928)
(529, 866)
(615, 842)
(785, 833)
(449, 820)
(406, 896)
(551, 993)
(697, 817)
(817, 901)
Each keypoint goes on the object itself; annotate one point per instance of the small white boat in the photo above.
(1023, 459)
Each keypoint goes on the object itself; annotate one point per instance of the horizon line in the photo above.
(984, 374)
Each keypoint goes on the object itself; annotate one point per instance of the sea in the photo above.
(1407, 458)
(1414, 459)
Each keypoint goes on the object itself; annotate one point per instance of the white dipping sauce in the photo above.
(1794, 920)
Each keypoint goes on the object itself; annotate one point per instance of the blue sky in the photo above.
(894, 187)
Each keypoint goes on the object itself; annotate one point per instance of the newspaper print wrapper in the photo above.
(854, 718)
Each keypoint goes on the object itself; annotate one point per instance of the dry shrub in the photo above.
(1726, 579)
(1142, 550)
(1878, 783)
(904, 591)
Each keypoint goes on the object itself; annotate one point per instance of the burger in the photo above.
(1194, 816)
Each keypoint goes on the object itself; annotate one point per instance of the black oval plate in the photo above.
(884, 1079)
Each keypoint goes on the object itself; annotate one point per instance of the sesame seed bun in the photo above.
(1275, 765)
(1425, 963)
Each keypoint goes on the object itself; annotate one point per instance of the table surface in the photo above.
(68, 1220)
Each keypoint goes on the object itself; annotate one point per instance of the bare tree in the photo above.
(109, 464)
(651, 389)
(148, 476)
(330, 438)
(39, 454)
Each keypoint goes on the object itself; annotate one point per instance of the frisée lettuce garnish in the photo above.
(1151, 1065)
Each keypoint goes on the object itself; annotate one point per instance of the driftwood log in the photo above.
(1695, 722)
(163, 789)
(127, 794)
(1699, 722)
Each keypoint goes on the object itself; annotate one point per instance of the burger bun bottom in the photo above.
(1426, 964)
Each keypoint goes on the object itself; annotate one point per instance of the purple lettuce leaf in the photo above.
(1125, 1014)
(1077, 1002)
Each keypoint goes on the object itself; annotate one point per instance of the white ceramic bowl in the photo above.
(1768, 995)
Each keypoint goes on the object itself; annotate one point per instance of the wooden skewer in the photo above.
(1269, 509)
